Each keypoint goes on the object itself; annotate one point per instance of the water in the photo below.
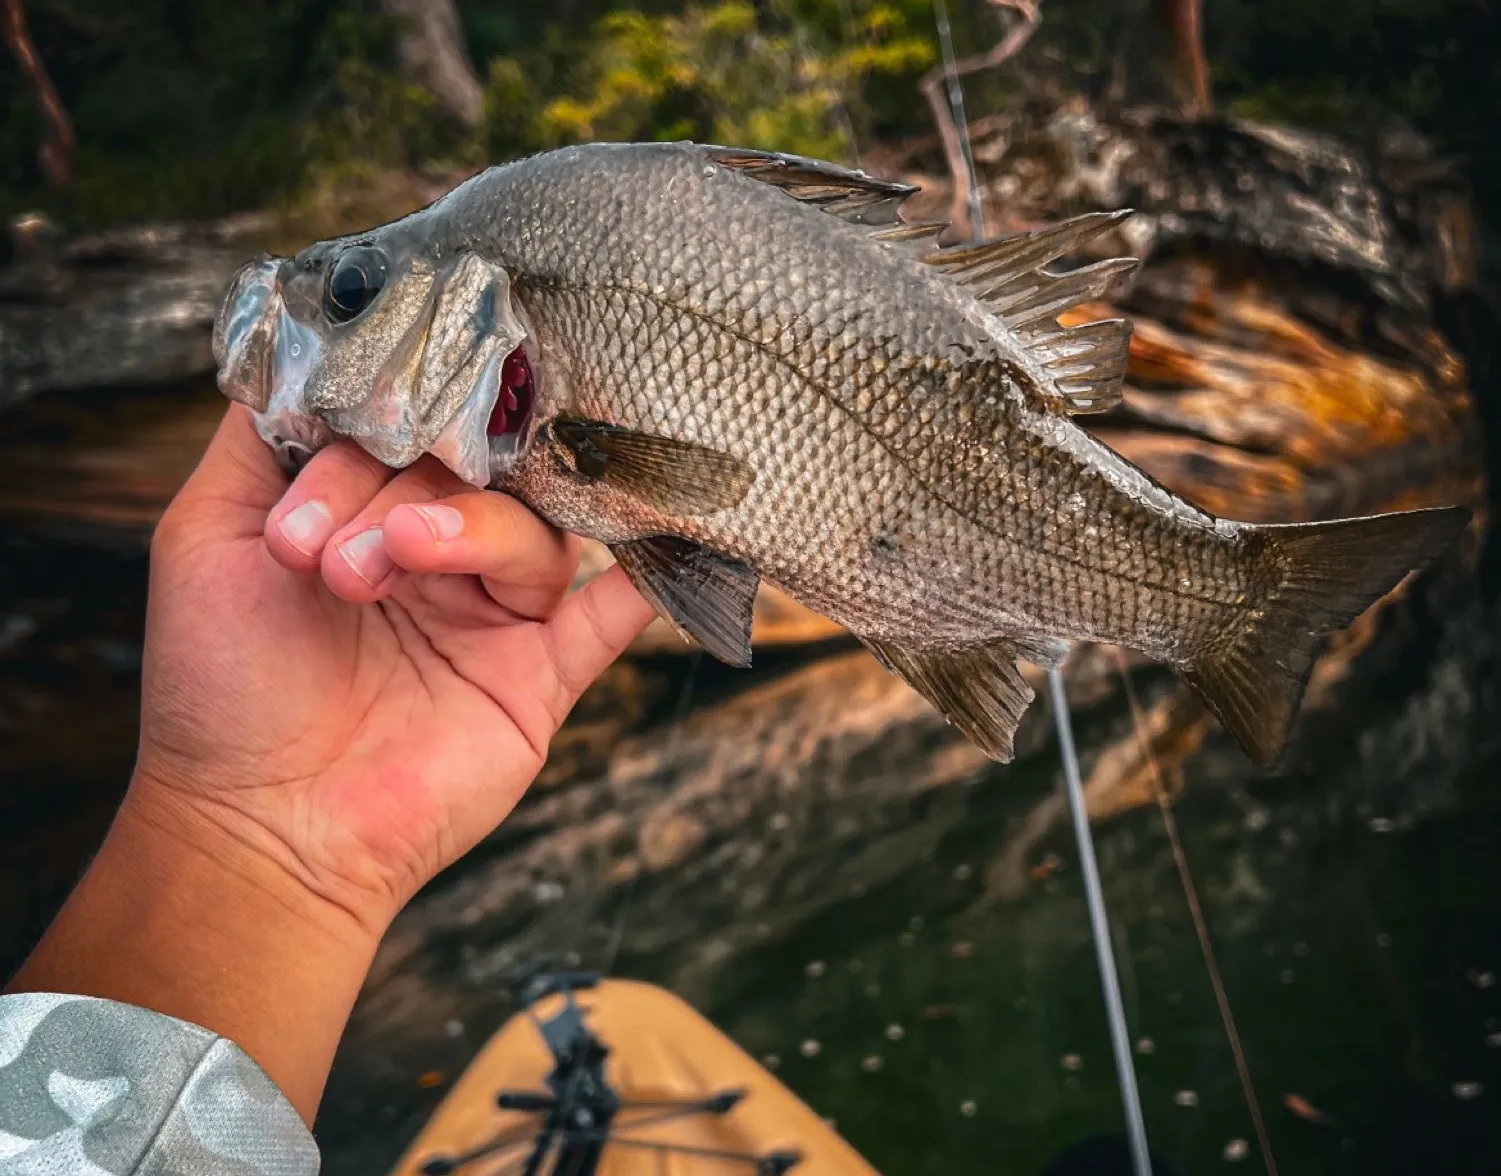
(918, 963)
(946, 1018)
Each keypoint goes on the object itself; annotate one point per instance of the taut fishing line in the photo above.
(1196, 912)
(1094, 894)
(685, 695)
(956, 112)
(1099, 921)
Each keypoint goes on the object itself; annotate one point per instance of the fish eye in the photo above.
(353, 282)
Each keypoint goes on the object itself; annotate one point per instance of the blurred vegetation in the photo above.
(199, 107)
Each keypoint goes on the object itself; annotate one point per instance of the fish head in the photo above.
(385, 338)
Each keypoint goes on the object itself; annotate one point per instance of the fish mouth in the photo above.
(484, 438)
(265, 358)
(459, 383)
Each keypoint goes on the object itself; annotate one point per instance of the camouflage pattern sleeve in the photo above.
(90, 1087)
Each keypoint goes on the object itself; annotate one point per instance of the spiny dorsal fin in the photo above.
(912, 239)
(991, 261)
(840, 191)
(1031, 302)
(1088, 362)
(852, 196)
(978, 689)
(700, 593)
(1006, 275)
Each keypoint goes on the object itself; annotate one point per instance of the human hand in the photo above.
(338, 700)
(358, 676)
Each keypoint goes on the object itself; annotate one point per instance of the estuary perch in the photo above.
(731, 366)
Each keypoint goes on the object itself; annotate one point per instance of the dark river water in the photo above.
(945, 1017)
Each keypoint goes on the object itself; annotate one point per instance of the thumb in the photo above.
(237, 470)
(230, 492)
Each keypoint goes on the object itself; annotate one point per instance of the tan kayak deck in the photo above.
(660, 1049)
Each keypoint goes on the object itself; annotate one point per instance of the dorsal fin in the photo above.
(840, 191)
(1031, 302)
(914, 239)
(1088, 362)
(992, 261)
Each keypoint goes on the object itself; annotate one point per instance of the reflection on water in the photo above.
(1358, 963)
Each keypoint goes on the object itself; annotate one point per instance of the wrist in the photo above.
(294, 838)
(185, 912)
(258, 862)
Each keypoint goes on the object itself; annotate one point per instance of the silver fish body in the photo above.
(736, 366)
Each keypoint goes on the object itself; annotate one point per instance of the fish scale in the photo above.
(845, 582)
(748, 367)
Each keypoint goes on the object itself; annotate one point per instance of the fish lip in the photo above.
(244, 333)
(285, 423)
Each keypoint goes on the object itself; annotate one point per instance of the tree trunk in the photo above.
(432, 54)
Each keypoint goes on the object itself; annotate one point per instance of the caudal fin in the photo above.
(1327, 574)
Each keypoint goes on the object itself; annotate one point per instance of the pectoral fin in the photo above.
(701, 594)
(978, 689)
(676, 477)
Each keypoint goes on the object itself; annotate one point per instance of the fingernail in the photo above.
(443, 521)
(366, 554)
(307, 527)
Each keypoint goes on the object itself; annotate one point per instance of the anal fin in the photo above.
(977, 688)
(703, 595)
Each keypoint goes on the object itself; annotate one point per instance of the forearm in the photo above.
(180, 916)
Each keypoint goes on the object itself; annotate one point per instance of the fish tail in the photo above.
(1252, 677)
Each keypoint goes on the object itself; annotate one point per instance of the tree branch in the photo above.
(56, 152)
(932, 87)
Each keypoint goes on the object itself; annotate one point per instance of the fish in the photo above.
(734, 366)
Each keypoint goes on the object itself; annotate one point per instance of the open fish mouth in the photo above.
(457, 380)
(486, 434)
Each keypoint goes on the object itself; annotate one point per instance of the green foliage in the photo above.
(795, 81)
(199, 107)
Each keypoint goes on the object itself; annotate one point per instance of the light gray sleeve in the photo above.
(91, 1087)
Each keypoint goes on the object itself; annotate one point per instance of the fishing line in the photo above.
(961, 122)
(679, 711)
(1099, 921)
(1196, 912)
(1110, 982)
